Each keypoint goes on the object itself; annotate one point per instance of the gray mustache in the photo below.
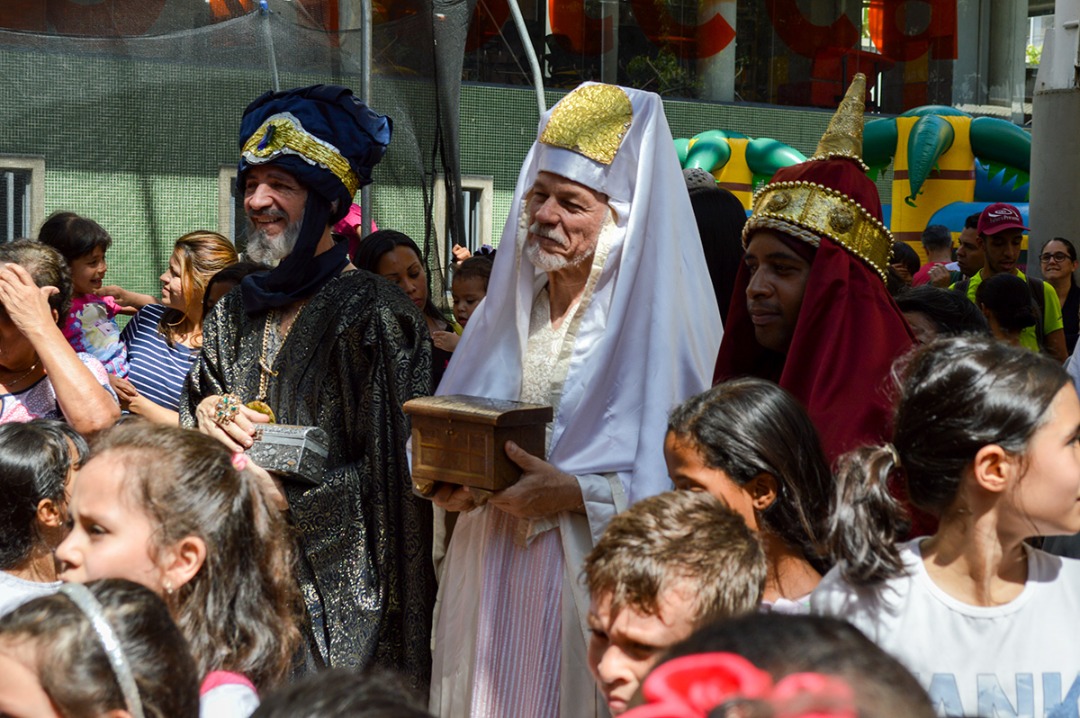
(268, 214)
(552, 233)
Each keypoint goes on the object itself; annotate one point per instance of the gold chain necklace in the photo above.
(265, 369)
(22, 376)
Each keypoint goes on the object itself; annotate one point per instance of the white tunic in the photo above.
(1018, 659)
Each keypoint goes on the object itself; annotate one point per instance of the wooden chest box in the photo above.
(460, 439)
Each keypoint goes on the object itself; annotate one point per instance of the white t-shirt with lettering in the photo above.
(1019, 659)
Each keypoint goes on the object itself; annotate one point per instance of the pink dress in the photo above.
(91, 328)
(38, 401)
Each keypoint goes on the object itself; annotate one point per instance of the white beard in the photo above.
(265, 249)
(546, 262)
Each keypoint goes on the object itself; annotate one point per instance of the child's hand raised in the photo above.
(130, 302)
(447, 341)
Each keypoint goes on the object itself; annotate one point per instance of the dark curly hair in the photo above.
(73, 236)
(474, 267)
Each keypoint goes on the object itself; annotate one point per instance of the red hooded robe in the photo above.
(849, 331)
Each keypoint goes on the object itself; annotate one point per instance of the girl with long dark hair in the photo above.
(750, 444)
(986, 437)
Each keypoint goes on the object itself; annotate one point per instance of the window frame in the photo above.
(485, 184)
(35, 165)
(228, 203)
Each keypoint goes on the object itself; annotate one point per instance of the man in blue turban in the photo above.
(316, 342)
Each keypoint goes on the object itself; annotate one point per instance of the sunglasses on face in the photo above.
(1056, 256)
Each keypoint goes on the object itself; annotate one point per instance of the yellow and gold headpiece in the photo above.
(843, 136)
(830, 194)
(592, 121)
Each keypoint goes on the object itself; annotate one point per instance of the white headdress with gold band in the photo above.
(804, 202)
(584, 139)
(643, 338)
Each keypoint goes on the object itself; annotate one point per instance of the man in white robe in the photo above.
(600, 304)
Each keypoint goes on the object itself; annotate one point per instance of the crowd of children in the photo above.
(173, 593)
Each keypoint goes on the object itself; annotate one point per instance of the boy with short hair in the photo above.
(664, 567)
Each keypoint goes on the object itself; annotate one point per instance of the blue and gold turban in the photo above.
(323, 135)
(328, 140)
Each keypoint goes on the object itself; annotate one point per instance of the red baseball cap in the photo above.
(999, 217)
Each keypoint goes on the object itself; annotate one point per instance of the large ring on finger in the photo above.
(226, 409)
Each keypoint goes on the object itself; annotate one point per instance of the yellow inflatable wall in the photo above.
(952, 181)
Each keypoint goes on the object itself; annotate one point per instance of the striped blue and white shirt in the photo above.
(156, 369)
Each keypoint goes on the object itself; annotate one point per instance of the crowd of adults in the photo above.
(792, 470)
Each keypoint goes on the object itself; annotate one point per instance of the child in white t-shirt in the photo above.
(986, 437)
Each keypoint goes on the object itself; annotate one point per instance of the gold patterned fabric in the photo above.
(356, 352)
(843, 137)
(829, 195)
(592, 121)
(822, 212)
(283, 134)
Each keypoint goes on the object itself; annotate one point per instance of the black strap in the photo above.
(1039, 295)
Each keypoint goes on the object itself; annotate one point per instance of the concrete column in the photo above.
(1007, 44)
(972, 52)
(717, 73)
(1055, 168)
(609, 61)
(1055, 133)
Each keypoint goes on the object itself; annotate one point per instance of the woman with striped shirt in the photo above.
(163, 339)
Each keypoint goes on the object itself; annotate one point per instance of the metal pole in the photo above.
(264, 8)
(526, 42)
(365, 95)
(9, 182)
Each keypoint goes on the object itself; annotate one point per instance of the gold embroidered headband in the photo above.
(805, 207)
(283, 134)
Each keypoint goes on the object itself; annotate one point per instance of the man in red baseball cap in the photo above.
(1001, 235)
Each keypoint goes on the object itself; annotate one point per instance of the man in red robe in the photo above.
(810, 309)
